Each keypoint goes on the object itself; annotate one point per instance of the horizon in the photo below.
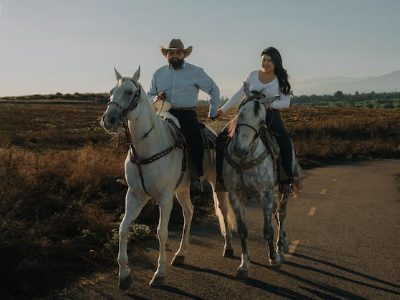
(72, 47)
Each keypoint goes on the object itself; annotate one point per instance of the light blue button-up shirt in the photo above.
(182, 86)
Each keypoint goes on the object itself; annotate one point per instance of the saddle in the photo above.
(209, 137)
(269, 139)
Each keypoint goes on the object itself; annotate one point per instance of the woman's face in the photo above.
(267, 64)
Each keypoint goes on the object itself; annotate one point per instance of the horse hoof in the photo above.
(228, 253)
(125, 283)
(157, 281)
(178, 260)
(276, 263)
(242, 274)
(282, 255)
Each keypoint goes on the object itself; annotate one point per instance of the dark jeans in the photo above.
(274, 123)
(191, 131)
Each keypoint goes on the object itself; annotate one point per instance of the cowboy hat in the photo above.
(176, 44)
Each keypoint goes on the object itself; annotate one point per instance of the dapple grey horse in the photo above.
(248, 172)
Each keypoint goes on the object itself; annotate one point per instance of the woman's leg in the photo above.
(275, 123)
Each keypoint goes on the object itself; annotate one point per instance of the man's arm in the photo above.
(207, 85)
(152, 93)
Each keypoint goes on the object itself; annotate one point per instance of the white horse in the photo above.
(248, 172)
(155, 169)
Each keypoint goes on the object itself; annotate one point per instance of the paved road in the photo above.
(344, 234)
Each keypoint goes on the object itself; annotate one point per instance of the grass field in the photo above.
(60, 206)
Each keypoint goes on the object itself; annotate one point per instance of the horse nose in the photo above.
(240, 152)
(108, 122)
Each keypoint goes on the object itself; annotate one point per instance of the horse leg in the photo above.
(282, 245)
(267, 205)
(243, 270)
(223, 210)
(226, 220)
(187, 208)
(133, 206)
(165, 204)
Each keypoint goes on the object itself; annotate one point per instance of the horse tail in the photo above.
(221, 205)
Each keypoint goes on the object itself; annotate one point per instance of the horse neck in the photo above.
(158, 139)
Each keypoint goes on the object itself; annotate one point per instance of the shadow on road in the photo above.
(334, 289)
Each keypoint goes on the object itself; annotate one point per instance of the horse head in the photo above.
(249, 122)
(124, 99)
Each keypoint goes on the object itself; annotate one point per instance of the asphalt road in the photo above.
(343, 229)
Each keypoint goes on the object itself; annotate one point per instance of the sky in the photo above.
(68, 46)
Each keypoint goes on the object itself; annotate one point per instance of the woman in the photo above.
(271, 80)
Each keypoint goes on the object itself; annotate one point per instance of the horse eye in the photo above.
(129, 92)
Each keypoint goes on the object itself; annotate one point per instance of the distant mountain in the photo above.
(348, 85)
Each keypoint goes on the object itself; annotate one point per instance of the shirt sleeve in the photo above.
(152, 93)
(282, 102)
(236, 98)
(207, 85)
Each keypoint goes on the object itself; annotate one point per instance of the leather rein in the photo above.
(133, 155)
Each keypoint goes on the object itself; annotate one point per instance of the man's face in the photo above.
(175, 58)
(175, 54)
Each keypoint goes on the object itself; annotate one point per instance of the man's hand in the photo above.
(219, 113)
(161, 96)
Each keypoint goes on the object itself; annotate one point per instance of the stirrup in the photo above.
(287, 188)
(122, 181)
(196, 186)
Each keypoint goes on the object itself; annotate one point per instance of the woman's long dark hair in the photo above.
(280, 72)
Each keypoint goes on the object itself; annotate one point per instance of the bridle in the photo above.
(132, 105)
(125, 111)
(257, 131)
(241, 166)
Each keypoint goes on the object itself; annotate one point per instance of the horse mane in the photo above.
(163, 134)
(232, 125)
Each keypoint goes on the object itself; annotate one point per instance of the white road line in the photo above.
(323, 192)
(292, 248)
(312, 211)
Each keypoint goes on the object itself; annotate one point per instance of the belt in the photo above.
(183, 108)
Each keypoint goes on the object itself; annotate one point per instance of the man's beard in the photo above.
(176, 63)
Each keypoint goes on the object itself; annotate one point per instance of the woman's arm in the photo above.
(282, 102)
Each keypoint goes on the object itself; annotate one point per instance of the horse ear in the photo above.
(246, 89)
(117, 75)
(136, 76)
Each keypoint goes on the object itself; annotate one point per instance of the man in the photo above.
(179, 83)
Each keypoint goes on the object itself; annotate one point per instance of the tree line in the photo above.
(339, 99)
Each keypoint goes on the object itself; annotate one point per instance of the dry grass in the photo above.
(60, 206)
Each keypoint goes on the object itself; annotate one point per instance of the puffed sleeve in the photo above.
(282, 102)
